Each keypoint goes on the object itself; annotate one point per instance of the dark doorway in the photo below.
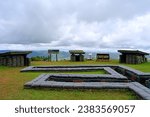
(77, 58)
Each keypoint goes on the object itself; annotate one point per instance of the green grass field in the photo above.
(12, 81)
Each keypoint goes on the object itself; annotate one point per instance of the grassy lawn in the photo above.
(145, 67)
(36, 63)
(12, 81)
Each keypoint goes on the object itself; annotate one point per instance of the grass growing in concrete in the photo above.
(12, 81)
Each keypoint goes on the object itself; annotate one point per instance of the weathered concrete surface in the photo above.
(65, 68)
(131, 74)
(140, 90)
(42, 82)
(118, 77)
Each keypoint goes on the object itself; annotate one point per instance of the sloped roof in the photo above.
(102, 54)
(76, 52)
(15, 53)
(52, 51)
(132, 52)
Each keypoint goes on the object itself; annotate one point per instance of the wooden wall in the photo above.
(102, 57)
(132, 59)
(15, 61)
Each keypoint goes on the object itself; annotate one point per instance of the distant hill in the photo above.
(2, 51)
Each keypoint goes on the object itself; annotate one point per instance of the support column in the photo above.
(50, 57)
(14, 61)
(22, 61)
(56, 57)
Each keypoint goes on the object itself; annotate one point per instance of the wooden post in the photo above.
(56, 58)
(50, 57)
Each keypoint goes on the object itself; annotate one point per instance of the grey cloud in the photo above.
(75, 23)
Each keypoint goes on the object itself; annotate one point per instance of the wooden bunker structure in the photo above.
(132, 56)
(50, 52)
(76, 55)
(102, 57)
(15, 58)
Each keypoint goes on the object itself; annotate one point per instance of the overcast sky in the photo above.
(75, 24)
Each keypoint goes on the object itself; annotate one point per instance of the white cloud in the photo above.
(87, 24)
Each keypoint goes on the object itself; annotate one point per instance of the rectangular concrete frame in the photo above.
(132, 74)
(83, 67)
(113, 70)
(64, 68)
(110, 71)
(111, 76)
(41, 82)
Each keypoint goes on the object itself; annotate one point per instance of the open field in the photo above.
(12, 81)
